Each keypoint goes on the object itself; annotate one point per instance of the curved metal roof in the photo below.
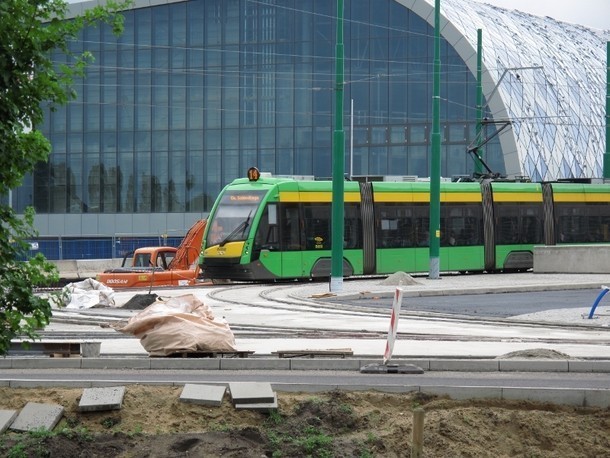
(547, 77)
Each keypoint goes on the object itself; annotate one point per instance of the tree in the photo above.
(29, 80)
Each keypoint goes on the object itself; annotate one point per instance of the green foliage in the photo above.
(274, 417)
(77, 434)
(17, 451)
(311, 442)
(33, 443)
(315, 443)
(29, 81)
(137, 431)
(29, 444)
(110, 422)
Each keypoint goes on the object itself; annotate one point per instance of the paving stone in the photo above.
(251, 392)
(90, 349)
(209, 395)
(259, 406)
(106, 398)
(38, 416)
(6, 418)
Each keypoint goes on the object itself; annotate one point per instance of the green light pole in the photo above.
(478, 168)
(606, 165)
(337, 223)
(435, 156)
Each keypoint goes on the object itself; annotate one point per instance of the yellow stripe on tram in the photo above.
(581, 197)
(598, 197)
(517, 197)
(316, 196)
(419, 197)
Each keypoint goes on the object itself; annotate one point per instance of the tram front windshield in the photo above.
(232, 220)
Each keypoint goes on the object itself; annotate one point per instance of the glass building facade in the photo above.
(195, 92)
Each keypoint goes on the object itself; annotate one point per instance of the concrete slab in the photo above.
(112, 363)
(517, 365)
(38, 416)
(251, 392)
(597, 398)
(400, 389)
(589, 366)
(209, 395)
(260, 406)
(90, 349)
(465, 365)
(6, 419)
(46, 363)
(254, 364)
(552, 395)
(464, 392)
(325, 364)
(98, 399)
(305, 387)
(185, 363)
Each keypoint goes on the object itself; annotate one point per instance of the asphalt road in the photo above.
(502, 305)
(318, 378)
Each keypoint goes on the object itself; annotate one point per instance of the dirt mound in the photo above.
(535, 353)
(153, 422)
(399, 279)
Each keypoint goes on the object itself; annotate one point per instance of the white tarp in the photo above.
(86, 294)
(180, 324)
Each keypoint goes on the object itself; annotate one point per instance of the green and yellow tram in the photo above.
(266, 228)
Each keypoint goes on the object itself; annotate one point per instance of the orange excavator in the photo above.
(160, 265)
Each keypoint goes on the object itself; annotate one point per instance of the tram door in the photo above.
(291, 240)
(277, 243)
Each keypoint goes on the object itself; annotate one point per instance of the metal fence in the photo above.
(96, 247)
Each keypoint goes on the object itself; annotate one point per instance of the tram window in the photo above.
(317, 226)
(352, 237)
(595, 234)
(267, 233)
(518, 223)
(599, 223)
(571, 223)
(507, 224)
(461, 225)
(290, 231)
(421, 225)
(532, 227)
(604, 222)
(582, 223)
(394, 226)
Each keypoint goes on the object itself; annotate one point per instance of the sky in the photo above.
(590, 13)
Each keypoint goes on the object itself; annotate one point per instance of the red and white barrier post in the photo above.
(389, 348)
